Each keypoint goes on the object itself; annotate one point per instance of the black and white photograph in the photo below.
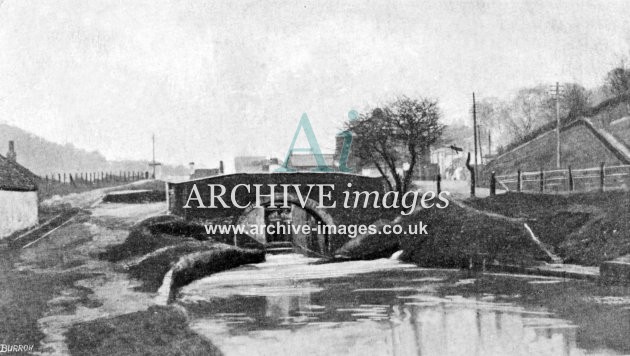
(361, 177)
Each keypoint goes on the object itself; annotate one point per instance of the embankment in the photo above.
(166, 242)
(456, 237)
(586, 228)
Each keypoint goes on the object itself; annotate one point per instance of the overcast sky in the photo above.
(215, 79)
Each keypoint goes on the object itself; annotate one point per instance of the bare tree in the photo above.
(618, 81)
(575, 101)
(530, 109)
(400, 132)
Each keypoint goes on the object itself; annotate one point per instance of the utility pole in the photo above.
(153, 163)
(557, 125)
(475, 136)
(480, 145)
(489, 143)
(556, 93)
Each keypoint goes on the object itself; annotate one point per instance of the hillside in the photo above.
(598, 136)
(45, 157)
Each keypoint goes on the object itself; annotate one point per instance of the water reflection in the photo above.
(387, 309)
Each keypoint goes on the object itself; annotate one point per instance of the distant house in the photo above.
(18, 195)
(306, 162)
(196, 173)
(255, 164)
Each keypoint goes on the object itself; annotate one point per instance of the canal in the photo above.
(292, 304)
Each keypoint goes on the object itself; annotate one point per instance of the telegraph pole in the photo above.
(475, 135)
(556, 93)
(557, 125)
(489, 143)
(480, 145)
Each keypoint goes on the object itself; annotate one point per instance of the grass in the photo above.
(366, 247)
(162, 241)
(24, 299)
(152, 234)
(160, 330)
(587, 228)
(457, 235)
(151, 270)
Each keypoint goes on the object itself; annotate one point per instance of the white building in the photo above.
(18, 196)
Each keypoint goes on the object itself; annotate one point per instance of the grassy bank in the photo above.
(157, 331)
(156, 245)
(586, 228)
(456, 236)
(154, 233)
(24, 299)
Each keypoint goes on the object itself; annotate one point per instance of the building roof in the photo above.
(205, 172)
(308, 160)
(250, 164)
(15, 177)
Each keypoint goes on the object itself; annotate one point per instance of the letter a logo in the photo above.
(347, 143)
(314, 149)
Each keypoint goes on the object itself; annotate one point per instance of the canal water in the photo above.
(294, 305)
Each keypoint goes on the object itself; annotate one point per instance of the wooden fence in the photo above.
(567, 180)
(94, 178)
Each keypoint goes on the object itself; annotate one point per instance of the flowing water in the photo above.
(293, 305)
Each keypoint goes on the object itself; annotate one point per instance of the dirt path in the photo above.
(458, 188)
(59, 281)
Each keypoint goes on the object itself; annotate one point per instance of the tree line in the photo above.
(532, 111)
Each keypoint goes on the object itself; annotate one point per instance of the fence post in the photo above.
(438, 181)
(519, 181)
(570, 179)
(471, 170)
(542, 180)
(493, 184)
(601, 177)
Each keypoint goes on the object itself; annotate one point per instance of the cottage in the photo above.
(18, 195)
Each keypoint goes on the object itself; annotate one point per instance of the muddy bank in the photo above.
(367, 247)
(159, 330)
(222, 257)
(161, 243)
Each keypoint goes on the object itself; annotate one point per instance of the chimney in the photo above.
(221, 167)
(11, 155)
